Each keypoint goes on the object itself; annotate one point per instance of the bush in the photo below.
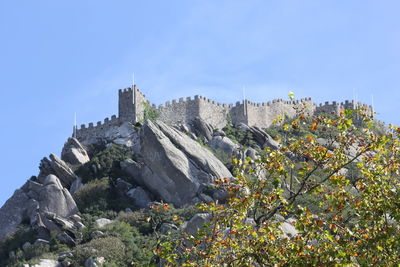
(93, 197)
(140, 219)
(121, 244)
(15, 242)
(111, 248)
(105, 163)
(99, 197)
(244, 138)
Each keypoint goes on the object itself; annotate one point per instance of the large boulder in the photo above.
(262, 138)
(172, 165)
(196, 223)
(121, 134)
(74, 153)
(45, 263)
(140, 197)
(53, 197)
(57, 167)
(13, 213)
(34, 202)
(224, 144)
(201, 128)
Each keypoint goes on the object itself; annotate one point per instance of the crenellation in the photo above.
(132, 104)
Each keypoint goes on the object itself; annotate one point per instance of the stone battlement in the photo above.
(133, 104)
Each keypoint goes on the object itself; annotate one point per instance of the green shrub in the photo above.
(105, 163)
(149, 113)
(244, 138)
(111, 248)
(140, 219)
(139, 247)
(93, 196)
(121, 244)
(14, 243)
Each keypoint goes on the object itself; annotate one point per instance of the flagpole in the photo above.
(372, 104)
(244, 100)
(133, 81)
(74, 125)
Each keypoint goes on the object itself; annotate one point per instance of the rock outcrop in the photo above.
(57, 167)
(74, 153)
(224, 144)
(262, 138)
(45, 205)
(202, 129)
(172, 165)
(45, 263)
(13, 213)
(140, 197)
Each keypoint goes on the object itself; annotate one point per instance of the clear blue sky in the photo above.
(61, 57)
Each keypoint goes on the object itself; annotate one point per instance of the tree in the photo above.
(341, 195)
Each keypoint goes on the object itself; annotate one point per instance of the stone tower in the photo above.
(126, 105)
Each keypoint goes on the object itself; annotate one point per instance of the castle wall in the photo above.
(94, 131)
(330, 108)
(263, 114)
(213, 113)
(132, 104)
(179, 112)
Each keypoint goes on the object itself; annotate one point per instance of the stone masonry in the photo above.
(133, 103)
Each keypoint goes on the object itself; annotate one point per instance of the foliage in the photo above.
(111, 248)
(121, 245)
(149, 113)
(244, 138)
(93, 196)
(13, 254)
(99, 197)
(225, 158)
(14, 243)
(105, 163)
(351, 222)
(140, 219)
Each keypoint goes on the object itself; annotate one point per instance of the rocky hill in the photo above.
(99, 202)
(114, 181)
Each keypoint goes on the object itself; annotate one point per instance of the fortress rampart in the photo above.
(132, 105)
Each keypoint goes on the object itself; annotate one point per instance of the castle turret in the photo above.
(126, 105)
